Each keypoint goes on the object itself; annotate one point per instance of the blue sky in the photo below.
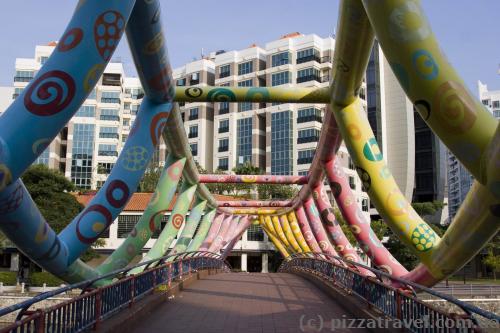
(467, 30)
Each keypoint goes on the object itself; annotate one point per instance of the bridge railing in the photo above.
(96, 304)
(396, 303)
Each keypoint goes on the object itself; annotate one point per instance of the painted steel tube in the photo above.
(202, 232)
(277, 243)
(252, 179)
(367, 240)
(212, 233)
(233, 230)
(224, 229)
(306, 230)
(192, 222)
(464, 125)
(285, 225)
(294, 225)
(317, 227)
(279, 231)
(174, 223)
(327, 215)
(250, 211)
(252, 94)
(150, 220)
(255, 203)
(243, 225)
(266, 220)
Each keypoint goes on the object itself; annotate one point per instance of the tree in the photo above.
(425, 209)
(149, 180)
(378, 226)
(50, 190)
(492, 259)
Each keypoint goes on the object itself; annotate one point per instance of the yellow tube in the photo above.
(279, 230)
(289, 234)
(277, 243)
(294, 225)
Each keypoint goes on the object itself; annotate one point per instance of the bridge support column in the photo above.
(265, 262)
(244, 262)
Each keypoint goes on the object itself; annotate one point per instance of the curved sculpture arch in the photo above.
(303, 225)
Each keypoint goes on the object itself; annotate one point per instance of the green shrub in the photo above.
(37, 279)
(8, 278)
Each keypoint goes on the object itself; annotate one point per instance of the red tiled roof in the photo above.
(291, 35)
(139, 201)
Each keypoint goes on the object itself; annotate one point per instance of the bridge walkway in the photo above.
(246, 302)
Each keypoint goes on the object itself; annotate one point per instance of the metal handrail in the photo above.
(84, 285)
(397, 284)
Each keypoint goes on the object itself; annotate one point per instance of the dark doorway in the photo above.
(254, 264)
(235, 262)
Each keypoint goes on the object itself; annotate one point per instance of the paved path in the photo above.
(246, 302)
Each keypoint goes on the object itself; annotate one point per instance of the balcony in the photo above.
(309, 118)
(223, 129)
(223, 149)
(108, 135)
(308, 58)
(308, 139)
(111, 118)
(22, 78)
(107, 153)
(193, 135)
(326, 59)
(308, 78)
(305, 160)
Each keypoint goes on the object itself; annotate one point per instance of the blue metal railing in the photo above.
(96, 304)
(396, 303)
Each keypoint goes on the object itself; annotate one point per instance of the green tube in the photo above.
(150, 220)
(175, 221)
(202, 231)
(191, 224)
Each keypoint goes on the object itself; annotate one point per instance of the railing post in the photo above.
(180, 269)
(132, 291)
(40, 322)
(98, 308)
(398, 304)
(169, 274)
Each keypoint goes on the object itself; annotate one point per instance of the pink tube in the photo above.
(253, 179)
(254, 203)
(342, 244)
(212, 232)
(244, 223)
(224, 229)
(360, 227)
(306, 230)
(233, 228)
(317, 227)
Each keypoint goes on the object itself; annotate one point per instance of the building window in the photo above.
(223, 145)
(81, 155)
(280, 78)
(223, 164)
(110, 97)
(108, 133)
(17, 92)
(244, 140)
(224, 126)
(136, 93)
(86, 111)
(43, 60)
(24, 76)
(352, 183)
(44, 157)
(255, 233)
(309, 114)
(351, 164)
(195, 78)
(308, 135)
(126, 106)
(486, 102)
(194, 149)
(364, 205)
(224, 71)
(107, 150)
(245, 83)
(496, 104)
(134, 109)
(307, 55)
(193, 131)
(104, 168)
(279, 59)
(245, 68)
(303, 173)
(308, 74)
(110, 114)
(181, 82)
(305, 156)
(281, 143)
(496, 113)
(223, 107)
(126, 223)
(244, 106)
(126, 122)
(193, 114)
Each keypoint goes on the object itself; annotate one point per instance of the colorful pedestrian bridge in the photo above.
(303, 229)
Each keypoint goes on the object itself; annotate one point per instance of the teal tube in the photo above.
(202, 232)
(175, 221)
